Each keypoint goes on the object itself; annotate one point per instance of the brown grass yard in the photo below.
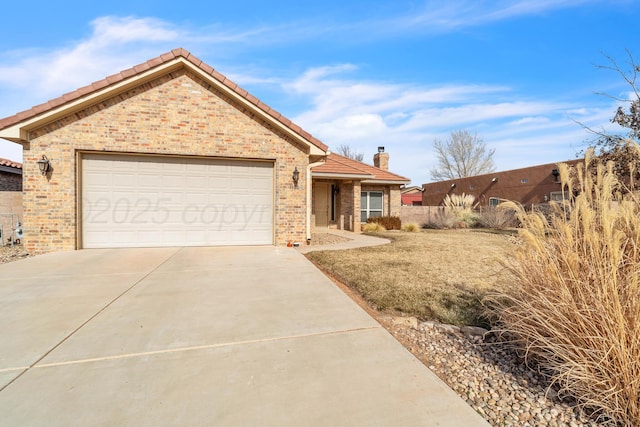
(437, 275)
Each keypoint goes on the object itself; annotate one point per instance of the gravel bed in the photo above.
(12, 253)
(488, 375)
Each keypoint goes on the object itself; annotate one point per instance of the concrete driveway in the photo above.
(201, 337)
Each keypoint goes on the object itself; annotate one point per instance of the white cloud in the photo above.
(114, 44)
(440, 17)
(407, 118)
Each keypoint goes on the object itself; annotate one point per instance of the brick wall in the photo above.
(177, 114)
(526, 185)
(10, 181)
(10, 211)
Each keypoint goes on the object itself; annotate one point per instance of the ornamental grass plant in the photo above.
(574, 307)
(461, 208)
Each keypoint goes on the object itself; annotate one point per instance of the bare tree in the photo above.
(462, 155)
(345, 150)
(623, 150)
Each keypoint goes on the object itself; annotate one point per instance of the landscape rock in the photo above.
(489, 375)
(473, 331)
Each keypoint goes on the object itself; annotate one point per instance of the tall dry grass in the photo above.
(461, 208)
(575, 308)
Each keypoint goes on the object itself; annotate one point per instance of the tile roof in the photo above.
(10, 163)
(150, 64)
(340, 165)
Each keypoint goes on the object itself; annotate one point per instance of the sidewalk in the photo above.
(356, 241)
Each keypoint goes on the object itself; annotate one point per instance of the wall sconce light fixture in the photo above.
(556, 174)
(44, 165)
(296, 176)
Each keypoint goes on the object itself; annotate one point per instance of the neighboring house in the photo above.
(411, 196)
(172, 153)
(10, 175)
(531, 185)
(347, 192)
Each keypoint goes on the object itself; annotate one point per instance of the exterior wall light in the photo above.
(44, 165)
(296, 176)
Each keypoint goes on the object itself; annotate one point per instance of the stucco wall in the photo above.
(420, 214)
(178, 114)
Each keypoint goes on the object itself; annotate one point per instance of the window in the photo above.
(370, 204)
(524, 180)
(493, 202)
(558, 196)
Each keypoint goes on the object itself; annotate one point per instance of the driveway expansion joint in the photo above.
(202, 347)
(90, 319)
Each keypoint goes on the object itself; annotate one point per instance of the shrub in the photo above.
(575, 308)
(410, 227)
(497, 217)
(461, 208)
(373, 227)
(442, 219)
(388, 222)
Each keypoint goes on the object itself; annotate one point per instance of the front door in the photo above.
(323, 204)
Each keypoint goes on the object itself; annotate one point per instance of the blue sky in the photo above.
(396, 73)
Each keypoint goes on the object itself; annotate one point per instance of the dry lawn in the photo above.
(434, 274)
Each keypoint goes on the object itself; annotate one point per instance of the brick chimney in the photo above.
(381, 159)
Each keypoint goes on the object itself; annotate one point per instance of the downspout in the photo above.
(309, 195)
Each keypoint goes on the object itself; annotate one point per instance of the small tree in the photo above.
(346, 151)
(462, 155)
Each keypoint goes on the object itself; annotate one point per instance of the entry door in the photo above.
(323, 204)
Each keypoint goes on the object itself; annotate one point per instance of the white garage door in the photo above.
(146, 201)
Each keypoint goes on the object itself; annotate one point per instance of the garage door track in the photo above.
(201, 336)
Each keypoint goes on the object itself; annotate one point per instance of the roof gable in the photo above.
(343, 167)
(15, 128)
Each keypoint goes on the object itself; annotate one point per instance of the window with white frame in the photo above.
(493, 202)
(370, 204)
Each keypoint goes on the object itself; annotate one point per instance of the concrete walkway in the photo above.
(356, 240)
(201, 336)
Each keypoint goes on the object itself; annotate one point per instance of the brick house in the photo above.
(411, 196)
(528, 186)
(167, 153)
(346, 192)
(10, 175)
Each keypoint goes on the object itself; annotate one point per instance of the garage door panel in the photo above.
(135, 201)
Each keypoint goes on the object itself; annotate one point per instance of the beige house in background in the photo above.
(172, 153)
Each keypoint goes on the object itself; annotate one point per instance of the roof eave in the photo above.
(338, 175)
(385, 182)
(10, 169)
(314, 150)
(19, 132)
